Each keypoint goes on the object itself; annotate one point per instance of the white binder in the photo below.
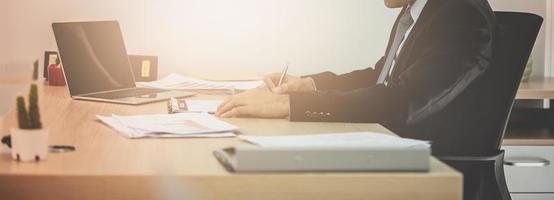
(250, 158)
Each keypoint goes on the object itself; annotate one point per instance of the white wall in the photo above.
(533, 6)
(217, 36)
(3, 39)
(225, 37)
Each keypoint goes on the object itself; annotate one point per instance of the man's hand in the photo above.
(290, 84)
(255, 103)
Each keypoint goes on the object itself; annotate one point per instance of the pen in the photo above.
(283, 74)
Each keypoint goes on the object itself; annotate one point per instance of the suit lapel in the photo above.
(420, 25)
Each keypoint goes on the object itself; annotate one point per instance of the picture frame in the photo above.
(144, 67)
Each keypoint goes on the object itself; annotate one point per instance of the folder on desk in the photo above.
(327, 152)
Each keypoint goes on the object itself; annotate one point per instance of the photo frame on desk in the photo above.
(50, 57)
(145, 68)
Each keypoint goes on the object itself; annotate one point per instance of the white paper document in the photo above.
(353, 139)
(209, 106)
(169, 125)
(180, 82)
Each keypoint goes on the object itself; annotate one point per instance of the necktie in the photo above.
(404, 24)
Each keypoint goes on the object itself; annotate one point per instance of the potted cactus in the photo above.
(30, 140)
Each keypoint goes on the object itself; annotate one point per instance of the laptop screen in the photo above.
(93, 56)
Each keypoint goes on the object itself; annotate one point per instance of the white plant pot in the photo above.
(29, 145)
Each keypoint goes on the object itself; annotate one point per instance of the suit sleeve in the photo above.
(458, 54)
(357, 79)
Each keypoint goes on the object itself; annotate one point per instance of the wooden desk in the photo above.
(108, 166)
(536, 88)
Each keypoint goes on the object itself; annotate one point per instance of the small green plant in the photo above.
(31, 119)
(22, 115)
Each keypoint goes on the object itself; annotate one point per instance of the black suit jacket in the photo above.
(448, 49)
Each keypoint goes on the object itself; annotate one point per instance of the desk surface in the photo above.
(536, 88)
(108, 166)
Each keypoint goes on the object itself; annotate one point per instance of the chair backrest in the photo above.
(473, 124)
(514, 41)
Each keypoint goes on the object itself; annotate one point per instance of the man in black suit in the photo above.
(436, 50)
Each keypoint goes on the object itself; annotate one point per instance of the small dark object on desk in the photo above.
(35, 70)
(61, 148)
(7, 140)
(176, 106)
(55, 75)
(50, 57)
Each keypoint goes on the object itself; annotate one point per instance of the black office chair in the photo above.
(512, 45)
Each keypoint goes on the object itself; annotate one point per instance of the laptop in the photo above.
(96, 65)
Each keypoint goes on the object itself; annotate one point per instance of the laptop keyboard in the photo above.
(134, 92)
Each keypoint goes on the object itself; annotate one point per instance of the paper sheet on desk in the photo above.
(180, 82)
(353, 139)
(174, 125)
(209, 106)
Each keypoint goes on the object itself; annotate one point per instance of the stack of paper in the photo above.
(179, 82)
(354, 139)
(169, 125)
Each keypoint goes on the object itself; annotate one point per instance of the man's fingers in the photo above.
(269, 83)
(240, 111)
(230, 113)
(283, 89)
(226, 107)
(271, 80)
(223, 103)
